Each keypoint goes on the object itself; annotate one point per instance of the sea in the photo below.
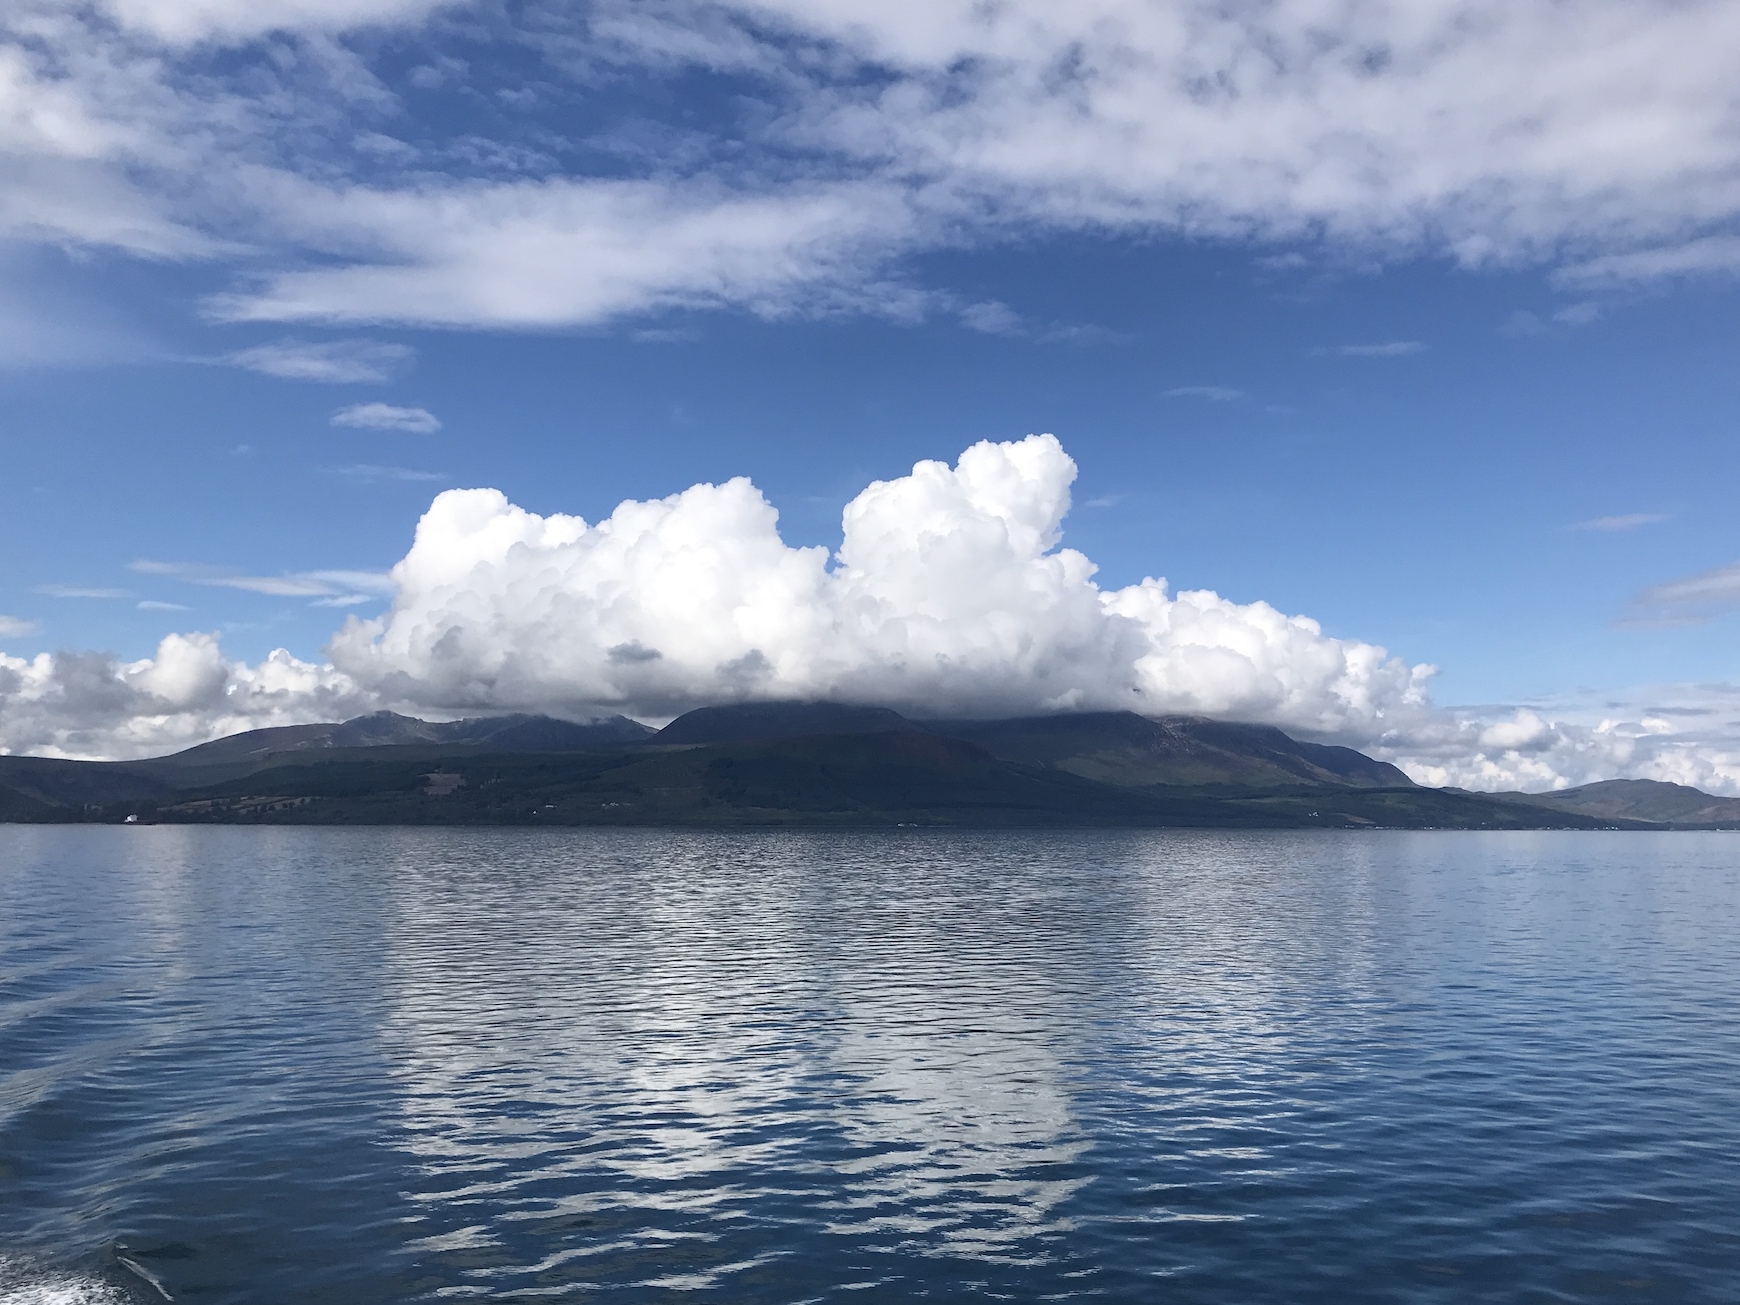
(279, 1065)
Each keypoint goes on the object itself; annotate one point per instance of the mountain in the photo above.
(740, 722)
(882, 778)
(1175, 751)
(519, 733)
(1674, 805)
(788, 764)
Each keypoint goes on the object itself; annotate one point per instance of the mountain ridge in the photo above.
(804, 763)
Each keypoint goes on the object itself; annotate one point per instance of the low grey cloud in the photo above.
(332, 362)
(1388, 349)
(1624, 521)
(385, 416)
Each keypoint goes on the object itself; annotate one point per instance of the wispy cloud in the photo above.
(1580, 314)
(369, 471)
(1214, 393)
(385, 416)
(157, 605)
(332, 362)
(80, 591)
(1625, 521)
(13, 627)
(1388, 349)
(1690, 601)
(1710, 255)
(306, 584)
(992, 318)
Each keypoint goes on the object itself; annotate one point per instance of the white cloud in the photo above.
(557, 252)
(1604, 139)
(1624, 521)
(157, 605)
(1389, 349)
(384, 416)
(14, 627)
(94, 705)
(190, 21)
(950, 594)
(332, 362)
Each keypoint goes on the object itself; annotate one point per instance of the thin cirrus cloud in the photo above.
(306, 584)
(1388, 349)
(368, 471)
(385, 416)
(81, 591)
(1621, 523)
(1213, 393)
(1486, 133)
(1691, 600)
(332, 362)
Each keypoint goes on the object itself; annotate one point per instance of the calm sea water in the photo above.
(409, 1065)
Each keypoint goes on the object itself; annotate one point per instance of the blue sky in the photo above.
(1307, 344)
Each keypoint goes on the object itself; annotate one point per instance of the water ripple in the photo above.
(402, 1065)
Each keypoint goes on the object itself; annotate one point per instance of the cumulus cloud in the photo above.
(951, 594)
(96, 705)
(385, 416)
(1603, 140)
(331, 362)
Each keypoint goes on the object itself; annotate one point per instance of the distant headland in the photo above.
(806, 764)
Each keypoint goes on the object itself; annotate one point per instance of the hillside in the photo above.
(1673, 805)
(1173, 751)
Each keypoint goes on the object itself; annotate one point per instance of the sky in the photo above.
(1365, 368)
